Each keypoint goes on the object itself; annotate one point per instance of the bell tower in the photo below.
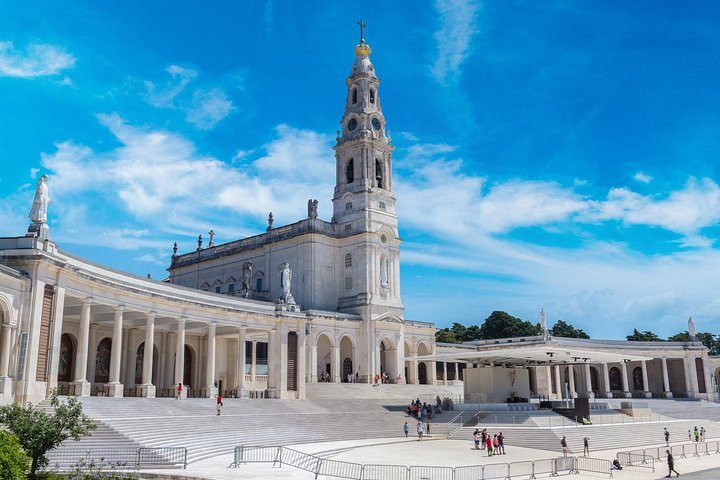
(364, 198)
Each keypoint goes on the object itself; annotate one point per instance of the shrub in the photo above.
(14, 462)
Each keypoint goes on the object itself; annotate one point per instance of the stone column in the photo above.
(5, 350)
(626, 389)
(211, 389)
(457, 371)
(666, 379)
(606, 380)
(335, 367)
(147, 387)
(588, 382)
(57, 324)
(571, 381)
(253, 360)
(709, 388)
(558, 383)
(240, 368)
(689, 384)
(92, 353)
(272, 381)
(180, 357)
(81, 386)
(281, 362)
(646, 387)
(301, 362)
(115, 388)
(444, 373)
(416, 373)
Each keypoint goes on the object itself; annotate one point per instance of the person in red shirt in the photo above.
(179, 391)
(489, 444)
(218, 403)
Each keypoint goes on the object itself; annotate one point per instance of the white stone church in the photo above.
(264, 316)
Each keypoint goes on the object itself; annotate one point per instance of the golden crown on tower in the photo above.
(362, 49)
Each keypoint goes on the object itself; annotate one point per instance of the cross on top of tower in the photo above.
(363, 26)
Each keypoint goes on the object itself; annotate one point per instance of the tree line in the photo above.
(503, 325)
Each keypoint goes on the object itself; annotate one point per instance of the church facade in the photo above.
(264, 316)
(312, 301)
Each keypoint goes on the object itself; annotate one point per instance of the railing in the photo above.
(455, 423)
(635, 460)
(493, 418)
(118, 457)
(320, 466)
(639, 457)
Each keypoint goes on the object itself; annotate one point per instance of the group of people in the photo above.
(420, 428)
(385, 378)
(494, 444)
(698, 434)
(420, 410)
(586, 446)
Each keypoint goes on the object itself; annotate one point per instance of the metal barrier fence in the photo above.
(355, 471)
(118, 457)
(635, 460)
(639, 457)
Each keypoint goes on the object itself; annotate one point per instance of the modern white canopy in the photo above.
(532, 355)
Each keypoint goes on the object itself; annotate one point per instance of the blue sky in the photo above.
(559, 154)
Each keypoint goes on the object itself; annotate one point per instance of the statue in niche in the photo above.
(384, 271)
(312, 209)
(285, 282)
(246, 277)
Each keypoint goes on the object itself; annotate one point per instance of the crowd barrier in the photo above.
(117, 457)
(639, 457)
(355, 471)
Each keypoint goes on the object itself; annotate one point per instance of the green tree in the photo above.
(710, 340)
(14, 462)
(39, 431)
(503, 325)
(646, 336)
(563, 329)
(446, 335)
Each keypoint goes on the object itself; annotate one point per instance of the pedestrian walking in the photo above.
(586, 447)
(501, 443)
(563, 444)
(667, 437)
(406, 429)
(420, 430)
(179, 391)
(671, 465)
(218, 403)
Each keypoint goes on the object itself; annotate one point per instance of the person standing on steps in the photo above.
(667, 437)
(406, 429)
(671, 465)
(586, 447)
(218, 403)
(563, 444)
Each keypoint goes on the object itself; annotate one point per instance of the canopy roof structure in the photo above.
(532, 355)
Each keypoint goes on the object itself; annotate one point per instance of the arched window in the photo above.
(348, 260)
(372, 95)
(350, 171)
(102, 361)
(67, 358)
(379, 180)
(354, 95)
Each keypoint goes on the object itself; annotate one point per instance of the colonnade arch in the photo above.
(347, 358)
(325, 346)
(424, 367)
(102, 360)
(388, 357)
(140, 362)
(66, 365)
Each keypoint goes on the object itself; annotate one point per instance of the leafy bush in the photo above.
(14, 462)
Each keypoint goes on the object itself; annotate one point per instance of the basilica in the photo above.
(266, 316)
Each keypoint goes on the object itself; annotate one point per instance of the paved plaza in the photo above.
(437, 452)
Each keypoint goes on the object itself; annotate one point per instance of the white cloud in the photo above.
(208, 107)
(204, 109)
(685, 211)
(164, 97)
(454, 36)
(37, 60)
(642, 177)
(34, 172)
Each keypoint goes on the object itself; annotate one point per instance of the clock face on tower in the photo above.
(352, 124)
(376, 124)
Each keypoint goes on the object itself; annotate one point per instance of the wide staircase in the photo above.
(389, 394)
(193, 423)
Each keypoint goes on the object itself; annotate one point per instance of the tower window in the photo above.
(382, 205)
(350, 171)
(258, 284)
(348, 227)
(348, 206)
(372, 95)
(354, 95)
(231, 288)
(348, 260)
(379, 181)
(348, 283)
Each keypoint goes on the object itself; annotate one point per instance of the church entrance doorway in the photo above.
(347, 370)
(422, 373)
